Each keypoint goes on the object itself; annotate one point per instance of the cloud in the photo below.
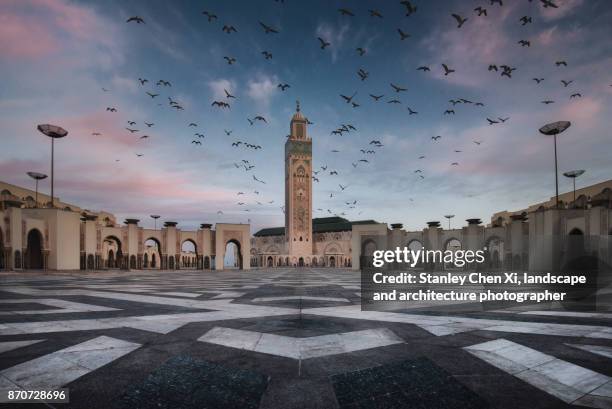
(565, 7)
(262, 89)
(219, 86)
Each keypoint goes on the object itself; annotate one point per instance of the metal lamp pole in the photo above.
(54, 132)
(555, 129)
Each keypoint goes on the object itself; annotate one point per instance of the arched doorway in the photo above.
(2, 263)
(232, 258)
(270, 261)
(34, 251)
(574, 249)
(315, 262)
(111, 249)
(332, 261)
(301, 262)
(189, 254)
(151, 256)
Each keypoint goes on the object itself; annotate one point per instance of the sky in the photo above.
(66, 62)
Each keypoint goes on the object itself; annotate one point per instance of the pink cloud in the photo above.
(34, 29)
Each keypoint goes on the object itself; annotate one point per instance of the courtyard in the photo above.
(288, 338)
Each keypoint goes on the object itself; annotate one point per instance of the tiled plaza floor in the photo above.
(288, 338)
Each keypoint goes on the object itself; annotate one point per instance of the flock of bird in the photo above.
(392, 96)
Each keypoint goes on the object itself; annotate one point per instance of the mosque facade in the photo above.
(38, 233)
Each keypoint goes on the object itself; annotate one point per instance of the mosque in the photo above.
(38, 232)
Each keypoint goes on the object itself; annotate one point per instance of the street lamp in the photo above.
(37, 176)
(155, 217)
(449, 217)
(573, 174)
(554, 129)
(54, 132)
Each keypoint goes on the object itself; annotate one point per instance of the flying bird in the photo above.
(209, 15)
(268, 29)
(423, 68)
(228, 95)
(221, 104)
(283, 86)
(566, 83)
(403, 35)
(323, 43)
(230, 60)
(376, 97)
(481, 11)
(361, 51)
(447, 70)
(346, 12)
(137, 19)
(538, 80)
(525, 20)
(397, 88)
(460, 20)
(229, 29)
(267, 55)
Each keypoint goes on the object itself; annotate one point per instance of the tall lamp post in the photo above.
(554, 129)
(155, 217)
(573, 174)
(449, 217)
(54, 132)
(37, 176)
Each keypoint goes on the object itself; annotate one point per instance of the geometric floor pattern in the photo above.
(289, 338)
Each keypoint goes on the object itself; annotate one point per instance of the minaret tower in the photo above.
(298, 187)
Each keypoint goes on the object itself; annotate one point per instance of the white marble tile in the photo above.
(594, 349)
(564, 380)
(11, 345)
(64, 366)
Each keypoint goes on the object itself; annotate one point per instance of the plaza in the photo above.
(290, 338)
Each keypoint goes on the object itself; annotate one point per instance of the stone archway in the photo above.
(2, 261)
(301, 262)
(189, 254)
(152, 253)
(232, 256)
(111, 250)
(34, 252)
(270, 262)
(332, 261)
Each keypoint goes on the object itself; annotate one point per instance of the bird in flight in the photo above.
(376, 97)
(267, 55)
(260, 118)
(548, 101)
(228, 95)
(229, 29)
(283, 86)
(230, 60)
(193, 124)
(548, 3)
(491, 121)
(375, 13)
(323, 43)
(397, 88)
(447, 70)
(525, 20)
(110, 109)
(221, 104)
(137, 19)
(525, 43)
(449, 111)
(411, 112)
(423, 68)
(132, 130)
(140, 155)
(481, 11)
(560, 63)
(342, 187)
(348, 99)
(268, 29)
(566, 83)
(143, 80)
(164, 83)
(460, 20)
(403, 35)
(149, 124)
(362, 74)
(151, 95)
(209, 15)
(576, 95)
(131, 123)
(538, 80)
(361, 51)
(435, 138)
(409, 7)
(503, 119)
(346, 12)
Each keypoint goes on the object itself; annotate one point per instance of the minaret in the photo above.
(298, 187)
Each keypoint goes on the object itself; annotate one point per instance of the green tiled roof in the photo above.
(319, 225)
